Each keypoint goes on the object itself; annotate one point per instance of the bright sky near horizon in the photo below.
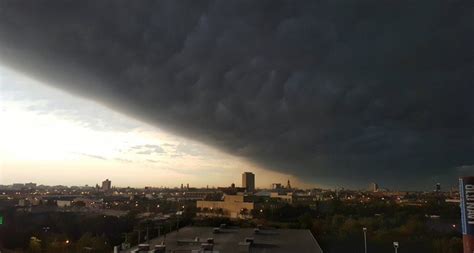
(52, 137)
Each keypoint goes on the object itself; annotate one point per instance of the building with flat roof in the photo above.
(248, 181)
(232, 206)
(63, 203)
(106, 185)
(236, 240)
(288, 197)
(373, 187)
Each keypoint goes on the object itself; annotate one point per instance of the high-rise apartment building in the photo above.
(106, 185)
(248, 181)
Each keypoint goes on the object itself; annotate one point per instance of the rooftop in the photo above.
(230, 240)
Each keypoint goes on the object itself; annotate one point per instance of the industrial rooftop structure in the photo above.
(233, 240)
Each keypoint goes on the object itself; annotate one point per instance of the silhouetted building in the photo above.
(288, 185)
(374, 187)
(284, 197)
(248, 181)
(30, 186)
(232, 190)
(438, 187)
(276, 186)
(106, 185)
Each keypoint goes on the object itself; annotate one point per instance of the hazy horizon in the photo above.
(322, 93)
(34, 115)
(30, 102)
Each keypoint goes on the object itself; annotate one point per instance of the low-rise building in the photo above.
(63, 203)
(232, 240)
(232, 206)
(284, 197)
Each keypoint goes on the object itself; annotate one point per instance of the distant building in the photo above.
(23, 202)
(232, 206)
(284, 197)
(374, 187)
(277, 186)
(288, 185)
(63, 203)
(30, 186)
(248, 181)
(196, 194)
(106, 185)
(89, 202)
(232, 190)
(18, 186)
(438, 187)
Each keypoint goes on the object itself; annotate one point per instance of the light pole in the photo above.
(159, 230)
(147, 235)
(365, 238)
(139, 235)
(177, 222)
(67, 245)
(395, 246)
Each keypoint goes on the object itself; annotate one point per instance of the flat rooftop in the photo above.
(229, 240)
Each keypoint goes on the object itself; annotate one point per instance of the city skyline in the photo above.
(31, 102)
(293, 90)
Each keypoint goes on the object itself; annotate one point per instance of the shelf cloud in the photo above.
(341, 91)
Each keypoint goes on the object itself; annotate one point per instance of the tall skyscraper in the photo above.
(106, 185)
(248, 181)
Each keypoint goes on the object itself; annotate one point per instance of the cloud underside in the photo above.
(340, 90)
(147, 149)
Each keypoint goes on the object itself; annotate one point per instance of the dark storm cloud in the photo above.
(333, 91)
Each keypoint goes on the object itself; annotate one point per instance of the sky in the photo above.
(338, 93)
(55, 138)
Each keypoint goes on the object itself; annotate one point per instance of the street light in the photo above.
(159, 229)
(395, 246)
(67, 245)
(365, 238)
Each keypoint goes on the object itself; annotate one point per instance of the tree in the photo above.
(35, 245)
(443, 245)
(90, 243)
(306, 221)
